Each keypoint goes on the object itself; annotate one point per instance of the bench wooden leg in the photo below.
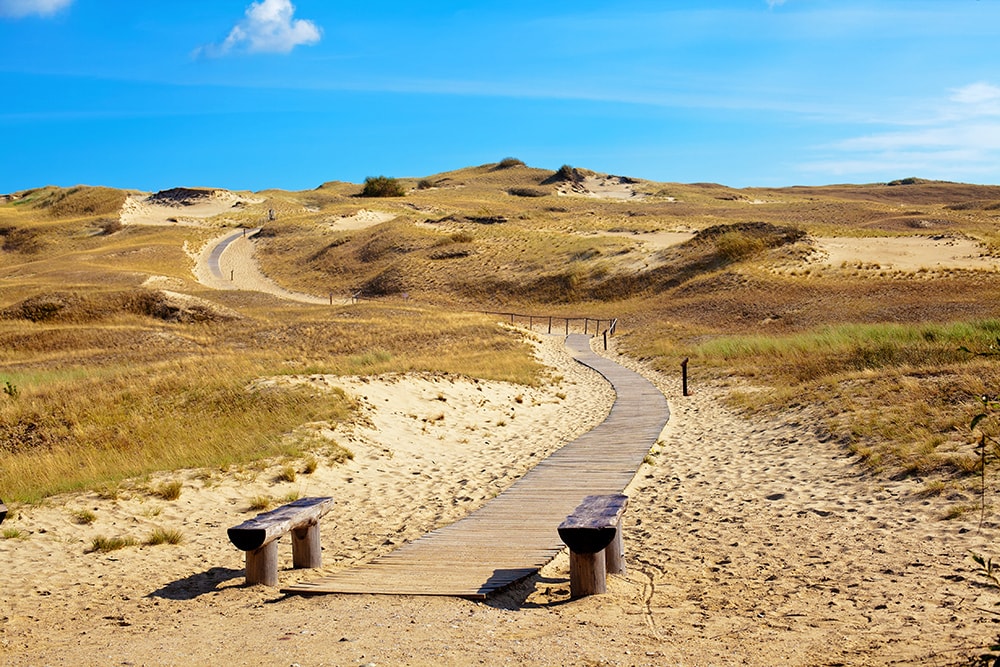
(587, 574)
(262, 565)
(306, 551)
(614, 553)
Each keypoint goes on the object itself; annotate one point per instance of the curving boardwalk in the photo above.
(514, 535)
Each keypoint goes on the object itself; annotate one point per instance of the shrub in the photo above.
(509, 162)
(424, 184)
(382, 186)
(527, 192)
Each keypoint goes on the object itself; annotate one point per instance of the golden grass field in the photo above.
(118, 367)
(86, 347)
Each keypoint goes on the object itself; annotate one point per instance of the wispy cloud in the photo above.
(958, 139)
(775, 3)
(22, 8)
(268, 26)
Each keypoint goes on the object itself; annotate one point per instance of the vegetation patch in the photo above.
(382, 186)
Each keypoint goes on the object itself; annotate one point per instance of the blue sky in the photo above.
(291, 93)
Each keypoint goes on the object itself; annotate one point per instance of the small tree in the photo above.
(382, 186)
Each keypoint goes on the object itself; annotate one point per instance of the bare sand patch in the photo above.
(601, 186)
(363, 219)
(907, 253)
(182, 206)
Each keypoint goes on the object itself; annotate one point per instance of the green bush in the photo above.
(382, 186)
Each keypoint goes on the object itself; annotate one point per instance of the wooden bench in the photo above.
(259, 538)
(3, 511)
(593, 533)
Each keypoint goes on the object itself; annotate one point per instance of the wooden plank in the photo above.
(256, 532)
(594, 523)
(516, 533)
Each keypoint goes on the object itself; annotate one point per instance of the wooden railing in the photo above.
(555, 324)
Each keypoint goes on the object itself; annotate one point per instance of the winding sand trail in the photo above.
(227, 263)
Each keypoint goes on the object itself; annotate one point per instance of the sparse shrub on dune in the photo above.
(528, 192)
(509, 162)
(382, 186)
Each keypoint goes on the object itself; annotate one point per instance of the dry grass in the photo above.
(106, 382)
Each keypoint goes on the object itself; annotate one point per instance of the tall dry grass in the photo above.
(899, 396)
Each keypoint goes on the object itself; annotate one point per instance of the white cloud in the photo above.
(958, 139)
(22, 8)
(268, 26)
(774, 3)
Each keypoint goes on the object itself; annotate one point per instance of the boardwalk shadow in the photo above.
(195, 585)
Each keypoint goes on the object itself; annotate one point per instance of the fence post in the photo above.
(531, 323)
(684, 376)
(605, 340)
(550, 324)
(567, 326)
(586, 325)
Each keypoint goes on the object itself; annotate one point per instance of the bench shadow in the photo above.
(514, 596)
(195, 585)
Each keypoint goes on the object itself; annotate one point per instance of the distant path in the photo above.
(514, 535)
(216, 254)
(227, 263)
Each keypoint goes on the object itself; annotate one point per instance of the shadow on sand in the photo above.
(191, 587)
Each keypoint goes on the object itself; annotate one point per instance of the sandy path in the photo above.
(227, 263)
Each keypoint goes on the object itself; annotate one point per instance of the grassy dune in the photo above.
(106, 378)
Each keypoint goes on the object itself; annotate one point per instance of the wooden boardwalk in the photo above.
(514, 535)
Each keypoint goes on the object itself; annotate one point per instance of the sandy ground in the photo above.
(146, 210)
(748, 543)
(908, 254)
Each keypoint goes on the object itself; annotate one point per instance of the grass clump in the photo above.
(14, 534)
(84, 517)
(169, 490)
(164, 536)
(286, 474)
(260, 503)
(104, 544)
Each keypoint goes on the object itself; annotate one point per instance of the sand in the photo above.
(748, 542)
(754, 542)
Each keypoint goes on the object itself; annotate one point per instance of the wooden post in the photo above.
(586, 325)
(605, 340)
(232, 274)
(531, 323)
(262, 565)
(684, 376)
(587, 574)
(306, 550)
(567, 326)
(614, 554)
(331, 298)
(550, 324)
